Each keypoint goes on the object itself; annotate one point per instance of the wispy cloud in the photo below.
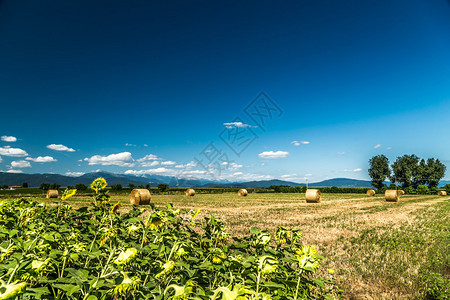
(147, 164)
(14, 152)
(168, 163)
(353, 170)
(340, 153)
(10, 139)
(130, 145)
(75, 174)
(1, 159)
(148, 157)
(236, 125)
(14, 171)
(20, 164)
(389, 148)
(273, 154)
(123, 159)
(42, 159)
(298, 143)
(377, 146)
(59, 147)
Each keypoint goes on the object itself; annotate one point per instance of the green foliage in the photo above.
(379, 170)
(54, 186)
(410, 190)
(437, 287)
(422, 190)
(81, 187)
(325, 189)
(44, 186)
(405, 170)
(24, 185)
(4, 187)
(117, 187)
(97, 253)
(447, 188)
(163, 187)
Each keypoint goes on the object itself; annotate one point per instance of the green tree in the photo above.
(25, 185)
(44, 186)
(434, 172)
(81, 187)
(406, 170)
(131, 186)
(163, 187)
(147, 186)
(422, 190)
(379, 170)
(55, 186)
(5, 186)
(117, 187)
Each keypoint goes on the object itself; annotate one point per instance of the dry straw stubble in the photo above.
(313, 196)
(140, 197)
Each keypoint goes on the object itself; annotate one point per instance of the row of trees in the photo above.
(117, 187)
(408, 170)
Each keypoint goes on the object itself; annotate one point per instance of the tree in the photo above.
(25, 185)
(131, 186)
(163, 187)
(379, 170)
(434, 172)
(5, 186)
(147, 186)
(406, 170)
(422, 189)
(117, 187)
(55, 186)
(44, 186)
(81, 187)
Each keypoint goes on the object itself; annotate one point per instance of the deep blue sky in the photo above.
(97, 75)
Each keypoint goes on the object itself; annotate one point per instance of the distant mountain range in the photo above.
(35, 180)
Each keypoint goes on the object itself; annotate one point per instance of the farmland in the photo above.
(377, 249)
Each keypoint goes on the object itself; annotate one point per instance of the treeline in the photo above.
(325, 189)
(408, 171)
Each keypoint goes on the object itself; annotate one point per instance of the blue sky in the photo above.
(145, 87)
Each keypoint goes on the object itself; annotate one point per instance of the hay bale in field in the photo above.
(140, 197)
(242, 192)
(52, 194)
(391, 195)
(442, 193)
(313, 196)
(401, 192)
(190, 192)
(370, 193)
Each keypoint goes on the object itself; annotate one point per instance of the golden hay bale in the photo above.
(52, 194)
(442, 193)
(190, 192)
(391, 195)
(242, 192)
(401, 192)
(370, 193)
(140, 197)
(313, 196)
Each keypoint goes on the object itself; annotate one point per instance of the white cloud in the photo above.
(145, 145)
(158, 171)
(273, 154)
(6, 138)
(289, 176)
(1, 159)
(75, 174)
(234, 166)
(238, 174)
(168, 163)
(122, 159)
(59, 147)
(389, 148)
(353, 170)
(149, 163)
(189, 165)
(15, 152)
(236, 125)
(148, 157)
(14, 171)
(298, 143)
(42, 159)
(130, 145)
(377, 146)
(20, 164)
(340, 153)
(308, 175)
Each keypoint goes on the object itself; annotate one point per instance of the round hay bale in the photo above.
(190, 192)
(52, 194)
(140, 197)
(442, 193)
(391, 195)
(401, 192)
(370, 193)
(242, 192)
(313, 196)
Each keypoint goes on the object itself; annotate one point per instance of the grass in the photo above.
(378, 249)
